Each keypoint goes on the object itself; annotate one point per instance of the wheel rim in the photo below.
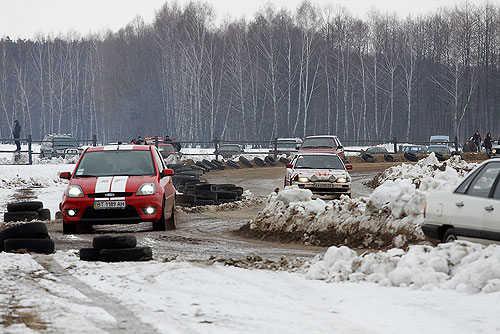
(451, 238)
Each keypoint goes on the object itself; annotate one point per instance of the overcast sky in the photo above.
(26, 18)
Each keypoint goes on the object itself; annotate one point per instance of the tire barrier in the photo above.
(32, 237)
(270, 161)
(389, 158)
(368, 157)
(259, 162)
(246, 162)
(115, 249)
(410, 156)
(26, 211)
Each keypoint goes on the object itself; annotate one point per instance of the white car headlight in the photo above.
(146, 189)
(342, 179)
(494, 151)
(74, 191)
(303, 179)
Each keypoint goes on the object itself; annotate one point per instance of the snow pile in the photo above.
(427, 167)
(32, 176)
(461, 266)
(390, 217)
(248, 200)
(57, 160)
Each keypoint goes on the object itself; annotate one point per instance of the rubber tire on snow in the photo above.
(233, 164)
(44, 214)
(30, 230)
(270, 161)
(114, 241)
(368, 157)
(389, 158)
(284, 160)
(126, 254)
(20, 216)
(227, 195)
(24, 206)
(209, 164)
(43, 246)
(58, 215)
(185, 198)
(449, 235)
(411, 156)
(259, 162)
(246, 162)
(204, 186)
(439, 156)
(218, 165)
(205, 194)
(89, 254)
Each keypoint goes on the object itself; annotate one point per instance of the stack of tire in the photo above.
(115, 249)
(26, 211)
(196, 194)
(30, 237)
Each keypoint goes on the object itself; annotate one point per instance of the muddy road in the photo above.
(210, 234)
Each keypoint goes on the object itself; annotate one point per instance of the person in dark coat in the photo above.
(17, 133)
(488, 142)
(477, 140)
(176, 145)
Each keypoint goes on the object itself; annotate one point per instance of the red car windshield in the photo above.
(116, 163)
(319, 143)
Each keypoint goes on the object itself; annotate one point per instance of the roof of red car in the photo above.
(119, 148)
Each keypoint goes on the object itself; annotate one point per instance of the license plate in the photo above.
(98, 205)
(324, 185)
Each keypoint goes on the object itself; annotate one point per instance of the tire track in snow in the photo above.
(126, 320)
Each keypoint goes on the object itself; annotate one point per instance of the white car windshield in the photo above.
(319, 162)
(114, 163)
(319, 143)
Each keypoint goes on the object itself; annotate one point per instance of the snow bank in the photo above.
(460, 266)
(249, 200)
(390, 217)
(32, 176)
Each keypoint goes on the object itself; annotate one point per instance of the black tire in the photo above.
(205, 194)
(284, 160)
(204, 202)
(410, 156)
(245, 161)
(89, 254)
(389, 158)
(170, 223)
(195, 167)
(126, 254)
(204, 186)
(259, 162)
(43, 246)
(209, 164)
(114, 242)
(44, 214)
(233, 164)
(223, 186)
(232, 195)
(69, 228)
(58, 215)
(457, 153)
(368, 157)
(202, 166)
(218, 165)
(24, 206)
(450, 235)
(24, 216)
(270, 161)
(30, 230)
(439, 156)
(185, 198)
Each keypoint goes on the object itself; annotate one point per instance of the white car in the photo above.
(323, 173)
(470, 212)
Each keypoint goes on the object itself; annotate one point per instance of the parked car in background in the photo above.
(287, 145)
(59, 145)
(439, 140)
(495, 150)
(470, 211)
(166, 149)
(375, 150)
(417, 149)
(439, 149)
(228, 150)
(120, 184)
(323, 144)
(439, 144)
(323, 173)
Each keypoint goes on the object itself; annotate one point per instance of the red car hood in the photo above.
(116, 184)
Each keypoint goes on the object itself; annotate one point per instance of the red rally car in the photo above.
(119, 184)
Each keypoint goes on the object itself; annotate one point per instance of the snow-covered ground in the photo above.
(183, 297)
(390, 217)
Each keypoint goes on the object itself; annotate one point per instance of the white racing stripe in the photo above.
(110, 148)
(119, 184)
(125, 147)
(103, 184)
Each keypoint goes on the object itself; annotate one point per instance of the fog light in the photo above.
(303, 179)
(72, 212)
(149, 210)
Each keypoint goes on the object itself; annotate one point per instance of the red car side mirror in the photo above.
(348, 167)
(65, 175)
(168, 172)
(288, 166)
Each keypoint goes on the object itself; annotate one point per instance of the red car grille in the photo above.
(128, 212)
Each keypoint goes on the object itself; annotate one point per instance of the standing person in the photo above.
(466, 147)
(167, 139)
(132, 141)
(140, 141)
(176, 145)
(477, 140)
(488, 142)
(17, 132)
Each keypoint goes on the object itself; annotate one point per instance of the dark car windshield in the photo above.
(287, 145)
(438, 149)
(114, 163)
(319, 143)
(232, 148)
(376, 150)
(319, 161)
(65, 142)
